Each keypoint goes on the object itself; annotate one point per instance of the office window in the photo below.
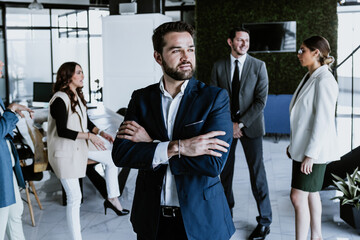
(96, 53)
(38, 42)
(349, 95)
(70, 41)
(23, 17)
(29, 61)
(69, 48)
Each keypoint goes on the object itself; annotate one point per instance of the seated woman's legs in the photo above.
(111, 175)
(73, 194)
(112, 184)
(111, 179)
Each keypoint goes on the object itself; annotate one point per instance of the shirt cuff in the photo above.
(160, 156)
(241, 125)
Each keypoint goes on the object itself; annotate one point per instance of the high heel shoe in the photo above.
(108, 204)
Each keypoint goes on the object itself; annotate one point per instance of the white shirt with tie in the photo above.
(240, 65)
(170, 107)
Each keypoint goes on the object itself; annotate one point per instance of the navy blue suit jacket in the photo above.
(7, 124)
(203, 205)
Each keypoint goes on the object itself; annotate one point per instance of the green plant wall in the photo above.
(214, 19)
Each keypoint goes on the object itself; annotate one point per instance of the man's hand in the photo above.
(132, 131)
(15, 107)
(237, 133)
(199, 145)
(306, 165)
(107, 136)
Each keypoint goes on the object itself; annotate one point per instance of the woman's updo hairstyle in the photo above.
(319, 42)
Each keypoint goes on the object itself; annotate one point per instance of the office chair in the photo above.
(28, 171)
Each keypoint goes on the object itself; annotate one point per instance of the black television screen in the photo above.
(42, 91)
(272, 37)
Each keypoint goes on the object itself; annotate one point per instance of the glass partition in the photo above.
(29, 60)
(69, 48)
(96, 56)
(23, 17)
(38, 42)
(348, 76)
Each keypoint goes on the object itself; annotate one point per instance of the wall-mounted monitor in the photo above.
(272, 36)
(42, 93)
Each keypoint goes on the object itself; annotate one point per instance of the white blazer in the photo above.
(312, 118)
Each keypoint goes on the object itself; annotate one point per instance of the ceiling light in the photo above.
(35, 5)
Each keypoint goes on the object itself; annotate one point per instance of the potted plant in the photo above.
(350, 200)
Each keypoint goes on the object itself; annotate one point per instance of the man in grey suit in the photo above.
(245, 78)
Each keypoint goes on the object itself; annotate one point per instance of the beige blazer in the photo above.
(312, 118)
(67, 157)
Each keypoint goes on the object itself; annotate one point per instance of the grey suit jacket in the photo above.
(253, 91)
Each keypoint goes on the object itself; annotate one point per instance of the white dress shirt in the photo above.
(170, 108)
(240, 65)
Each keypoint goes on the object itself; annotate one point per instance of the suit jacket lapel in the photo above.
(228, 73)
(303, 90)
(158, 115)
(245, 71)
(185, 107)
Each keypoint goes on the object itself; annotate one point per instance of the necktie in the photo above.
(235, 92)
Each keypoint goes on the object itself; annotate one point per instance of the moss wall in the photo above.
(214, 19)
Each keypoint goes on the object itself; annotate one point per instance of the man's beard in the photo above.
(176, 74)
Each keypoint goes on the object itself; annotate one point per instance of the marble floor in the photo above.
(51, 221)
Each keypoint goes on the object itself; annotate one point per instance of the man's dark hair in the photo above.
(163, 29)
(234, 30)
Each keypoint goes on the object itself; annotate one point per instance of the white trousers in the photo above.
(111, 171)
(10, 217)
(73, 194)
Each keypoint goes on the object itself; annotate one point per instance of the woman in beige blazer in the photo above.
(70, 132)
(313, 138)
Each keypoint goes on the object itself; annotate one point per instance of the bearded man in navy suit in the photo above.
(177, 133)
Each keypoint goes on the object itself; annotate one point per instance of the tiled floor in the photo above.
(51, 222)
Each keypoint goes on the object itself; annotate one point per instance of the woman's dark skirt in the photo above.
(308, 183)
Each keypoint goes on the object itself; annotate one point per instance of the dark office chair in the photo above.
(28, 171)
